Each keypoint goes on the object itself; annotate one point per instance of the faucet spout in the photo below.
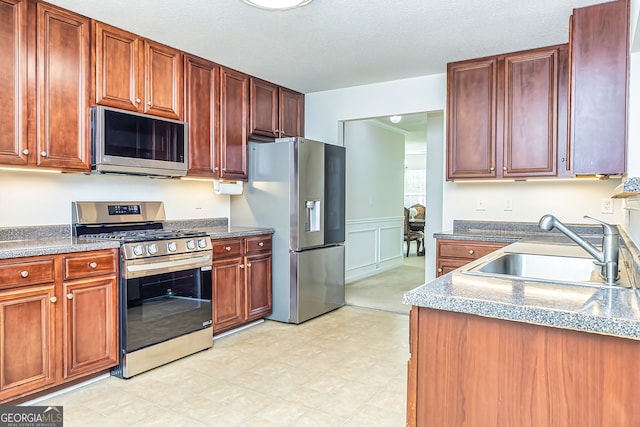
(607, 259)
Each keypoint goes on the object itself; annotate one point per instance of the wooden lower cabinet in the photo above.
(241, 280)
(452, 254)
(467, 370)
(54, 330)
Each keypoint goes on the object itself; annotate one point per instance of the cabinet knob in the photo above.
(216, 168)
(93, 264)
(25, 152)
(53, 299)
(24, 273)
(261, 244)
(471, 252)
(249, 264)
(492, 169)
(227, 248)
(224, 169)
(43, 154)
(440, 270)
(138, 100)
(69, 295)
(241, 266)
(149, 103)
(504, 168)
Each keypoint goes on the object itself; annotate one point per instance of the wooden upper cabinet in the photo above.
(62, 89)
(530, 113)
(471, 119)
(264, 108)
(599, 40)
(275, 111)
(13, 84)
(234, 121)
(503, 115)
(136, 74)
(202, 112)
(291, 122)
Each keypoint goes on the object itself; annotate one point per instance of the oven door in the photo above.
(163, 298)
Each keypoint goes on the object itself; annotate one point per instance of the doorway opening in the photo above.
(386, 172)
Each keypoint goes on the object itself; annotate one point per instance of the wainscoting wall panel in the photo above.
(373, 245)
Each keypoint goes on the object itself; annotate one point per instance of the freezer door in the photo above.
(307, 201)
(317, 282)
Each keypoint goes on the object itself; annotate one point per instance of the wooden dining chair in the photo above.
(411, 235)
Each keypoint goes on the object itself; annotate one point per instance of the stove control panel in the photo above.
(166, 247)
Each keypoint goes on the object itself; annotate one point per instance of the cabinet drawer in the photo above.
(226, 248)
(89, 264)
(466, 249)
(26, 271)
(257, 244)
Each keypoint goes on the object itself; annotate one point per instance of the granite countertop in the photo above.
(18, 242)
(607, 310)
(51, 245)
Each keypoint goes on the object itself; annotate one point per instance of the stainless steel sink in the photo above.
(542, 267)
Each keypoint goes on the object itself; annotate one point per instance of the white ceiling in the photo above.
(331, 44)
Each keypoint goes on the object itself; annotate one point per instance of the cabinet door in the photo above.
(227, 280)
(471, 119)
(13, 84)
(162, 80)
(258, 286)
(202, 108)
(530, 113)
(90, 325)
(62, 96)
(116, 63)
(291, 113)
(27, 325)
(264, 108)
(599, 49)
(234, 114)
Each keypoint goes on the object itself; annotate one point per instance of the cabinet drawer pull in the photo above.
(471, 252)
(69, 295)
(43, 154)
(25, 152)
(492, 169)
(249, 264)
(138, 100)
(440, 270)
(241, 265)
(149, 103)
(261, 244)
(227, 248)
(24, 273)
(93, 264)
(53, 299)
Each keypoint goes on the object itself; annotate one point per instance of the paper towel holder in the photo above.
(229, 187)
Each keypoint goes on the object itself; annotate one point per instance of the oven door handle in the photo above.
(150, 268)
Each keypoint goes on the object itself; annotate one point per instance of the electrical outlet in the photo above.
(606, 206)
(480, 205)
(508, 204)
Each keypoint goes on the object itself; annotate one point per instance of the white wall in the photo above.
(30, 198)
(374, 192)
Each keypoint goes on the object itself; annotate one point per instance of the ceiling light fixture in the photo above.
(395, 119)
(277, 4)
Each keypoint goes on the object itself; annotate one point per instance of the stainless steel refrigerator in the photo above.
(297, 187)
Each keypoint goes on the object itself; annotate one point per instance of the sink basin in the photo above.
(543, 267)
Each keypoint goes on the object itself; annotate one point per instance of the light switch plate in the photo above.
(508, 204)
(480, 205)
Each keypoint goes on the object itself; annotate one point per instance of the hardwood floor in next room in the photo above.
(384, 291)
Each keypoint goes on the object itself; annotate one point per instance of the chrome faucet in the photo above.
(607, 259)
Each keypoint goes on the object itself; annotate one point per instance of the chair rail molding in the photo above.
(373, 245)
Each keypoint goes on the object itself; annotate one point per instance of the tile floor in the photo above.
(346, 368)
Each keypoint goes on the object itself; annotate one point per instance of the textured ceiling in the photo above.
(331, 44)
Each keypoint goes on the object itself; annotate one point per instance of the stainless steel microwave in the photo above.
(131, 143)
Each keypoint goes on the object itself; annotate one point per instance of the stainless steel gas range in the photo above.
(165, 282)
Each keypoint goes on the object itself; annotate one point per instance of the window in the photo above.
(415, 187)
